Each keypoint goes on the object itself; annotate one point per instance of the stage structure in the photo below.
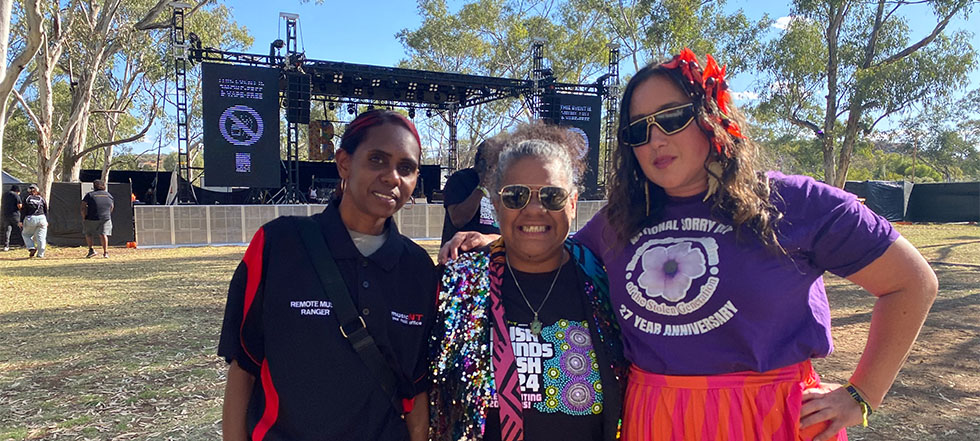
(337, 84)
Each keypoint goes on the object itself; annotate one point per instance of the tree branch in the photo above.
(928, 39)
(149, 22)
(806, 125)
(27, 109)
(121, 141)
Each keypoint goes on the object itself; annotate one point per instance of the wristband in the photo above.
(866, 410)
(483, 190)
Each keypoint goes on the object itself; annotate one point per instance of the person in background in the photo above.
(34, 222)
(467, 201)
(11, 214)
(295, 372)
(97, 206)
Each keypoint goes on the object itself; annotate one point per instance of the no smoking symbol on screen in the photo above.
(241, 125)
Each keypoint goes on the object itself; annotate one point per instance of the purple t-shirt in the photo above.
(693, 301)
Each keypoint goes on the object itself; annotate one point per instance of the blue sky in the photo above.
(363, 31)
(342, 30)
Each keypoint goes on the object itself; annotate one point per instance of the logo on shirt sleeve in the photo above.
(407, 319)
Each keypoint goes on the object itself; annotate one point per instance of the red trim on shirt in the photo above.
(408, 404)
(253, 265)
(271, 412)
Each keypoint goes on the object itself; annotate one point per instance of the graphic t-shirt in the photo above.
(558, 369)
(692, 300)
(459, 186)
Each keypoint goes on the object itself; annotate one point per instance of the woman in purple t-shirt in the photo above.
(715, 271)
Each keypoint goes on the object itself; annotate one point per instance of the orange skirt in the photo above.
(741, 406)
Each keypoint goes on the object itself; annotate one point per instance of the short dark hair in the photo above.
(98, 184)
(14, 188)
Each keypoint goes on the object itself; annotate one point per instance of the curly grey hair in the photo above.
(548, 151)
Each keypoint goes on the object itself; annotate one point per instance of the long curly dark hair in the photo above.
(743, 193)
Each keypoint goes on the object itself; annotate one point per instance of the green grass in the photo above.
(124, 347)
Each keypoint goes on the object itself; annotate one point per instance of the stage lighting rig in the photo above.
(295, 60)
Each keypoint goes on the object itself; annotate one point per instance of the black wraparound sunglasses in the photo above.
(517, 196)
(669, 121)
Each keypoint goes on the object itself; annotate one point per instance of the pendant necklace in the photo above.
(535, 324)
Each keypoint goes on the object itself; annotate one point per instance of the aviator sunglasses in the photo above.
(517, 196)
(670, 121)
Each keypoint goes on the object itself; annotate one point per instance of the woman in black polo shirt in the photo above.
(293, 374)
(527, 345)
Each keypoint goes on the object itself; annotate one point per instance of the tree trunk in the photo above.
(8, 76)
(835, 14)
(847, 146)
(81, 103)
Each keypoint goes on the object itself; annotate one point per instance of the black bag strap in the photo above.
(352, 325)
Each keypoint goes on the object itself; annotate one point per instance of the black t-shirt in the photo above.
(559, 371)
(459, 186)
(10, 202)
(99, 205)
(281, 328)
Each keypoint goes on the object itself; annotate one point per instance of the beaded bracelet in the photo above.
(866, 410)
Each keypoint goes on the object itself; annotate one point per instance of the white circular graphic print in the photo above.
(241, 125)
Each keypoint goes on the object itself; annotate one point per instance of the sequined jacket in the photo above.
(461, 353)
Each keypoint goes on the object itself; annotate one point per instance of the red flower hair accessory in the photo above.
(713, 86)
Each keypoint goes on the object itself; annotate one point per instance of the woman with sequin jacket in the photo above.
(526, 345)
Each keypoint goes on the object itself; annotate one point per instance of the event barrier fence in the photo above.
(181, 225)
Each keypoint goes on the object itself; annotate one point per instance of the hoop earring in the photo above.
(646, 193)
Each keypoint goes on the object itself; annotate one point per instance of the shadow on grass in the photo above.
(135, 269)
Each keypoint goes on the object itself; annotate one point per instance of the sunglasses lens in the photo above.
(553, 198)
(675, 120)
(515, 197)
(636, 133)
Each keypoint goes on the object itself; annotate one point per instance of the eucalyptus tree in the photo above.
(104, 58)
(842, 66)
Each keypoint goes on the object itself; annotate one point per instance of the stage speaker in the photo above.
(297, 98)
(321, 135)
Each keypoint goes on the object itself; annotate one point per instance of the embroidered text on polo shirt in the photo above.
(312, 307)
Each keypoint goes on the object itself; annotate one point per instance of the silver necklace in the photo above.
(535, 324)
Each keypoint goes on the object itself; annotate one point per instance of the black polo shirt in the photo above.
(310, 384)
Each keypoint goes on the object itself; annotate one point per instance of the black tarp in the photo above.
(151, 187)
(146, 190)
(945, 202)
(887, 198)
(65, 220)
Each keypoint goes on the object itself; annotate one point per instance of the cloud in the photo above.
(743, 96)
(783, 22)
